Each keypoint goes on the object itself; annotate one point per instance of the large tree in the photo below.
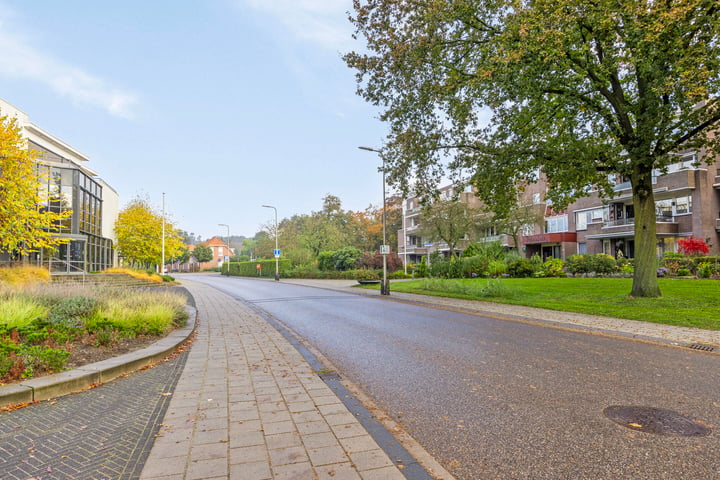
(139, 231)
(449, 221)
(25, 224)
(581, 89)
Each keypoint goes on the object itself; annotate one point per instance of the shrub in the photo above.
(439, 268)
(674, 264)
(536, 262)
(472, 250)
(419, 269)
(553, 267)
(603, 263)
(400, 274)
(21, 276)
(148, 276)
(683, 272)
(477, 266)
(366, 275)
(693, 246)
(521, 267)
(578, 264)
(346, 258)
(482, 289)
(497, 268)
(492, 250)
(326, 261)
(17, 312)
(706, 270)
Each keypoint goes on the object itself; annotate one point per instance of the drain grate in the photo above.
(656, 420)
(328, 375)
(700, 346)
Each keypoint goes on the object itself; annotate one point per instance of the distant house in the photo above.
(220, 250)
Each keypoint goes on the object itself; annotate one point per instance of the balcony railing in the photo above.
(631, 221)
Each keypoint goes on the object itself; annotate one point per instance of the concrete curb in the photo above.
(72, 381)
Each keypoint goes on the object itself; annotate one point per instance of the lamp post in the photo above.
(384, 250)
(228, 243)
(162, 248)
(277, 251)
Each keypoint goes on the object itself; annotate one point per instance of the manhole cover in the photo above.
(656, 420)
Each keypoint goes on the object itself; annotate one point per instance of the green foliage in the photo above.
(249, 269)
(579, 89)
(418, 270)
(675, 264)
(325, 261)
(346, 258)
(603, 263)
(139, 231)
(365, 275)
(553, 267)
(707, 270)
(687, 303)
(578, 264)
(25, 228)
(36, 320)
(497, 268)
(17, 312)
(447, 220)
(202, 253)
(475, 266)
(521, 267)
(475, 289)
(471, 250)
(492, 250)
(398, 275)
(600, 263)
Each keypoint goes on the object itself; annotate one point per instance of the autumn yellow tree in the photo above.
(25, 226)
(139, 233)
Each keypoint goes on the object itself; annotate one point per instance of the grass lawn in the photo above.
(685, 302)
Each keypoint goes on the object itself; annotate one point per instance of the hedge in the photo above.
(249, 269)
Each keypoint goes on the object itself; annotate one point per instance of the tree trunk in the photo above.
(645, 283)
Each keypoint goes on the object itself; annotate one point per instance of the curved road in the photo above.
(496, 399)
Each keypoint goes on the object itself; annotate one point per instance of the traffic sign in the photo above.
(276, 252)
(385, 249)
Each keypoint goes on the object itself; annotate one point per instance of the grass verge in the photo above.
(685, 302)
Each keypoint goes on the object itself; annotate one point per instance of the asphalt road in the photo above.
(499, 399)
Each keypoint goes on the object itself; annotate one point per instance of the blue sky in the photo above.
(224, 105)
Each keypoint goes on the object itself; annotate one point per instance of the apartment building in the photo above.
(72, 186)
(687, 199)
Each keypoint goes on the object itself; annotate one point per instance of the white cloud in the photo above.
(323, 22)
(19, 59)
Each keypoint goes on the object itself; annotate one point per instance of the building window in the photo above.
(557, 223)
(663, 208)
(536, 198)
(582, 247)
(683, 205)
(581, 219)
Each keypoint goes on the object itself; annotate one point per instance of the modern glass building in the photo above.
(70, 185)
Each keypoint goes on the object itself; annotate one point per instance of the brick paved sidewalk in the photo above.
(248, 406)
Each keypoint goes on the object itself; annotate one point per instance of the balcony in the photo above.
(549, 238)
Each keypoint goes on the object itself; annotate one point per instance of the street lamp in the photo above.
(162, 260)
(384, 249)
(277, 251)
(228, 243)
